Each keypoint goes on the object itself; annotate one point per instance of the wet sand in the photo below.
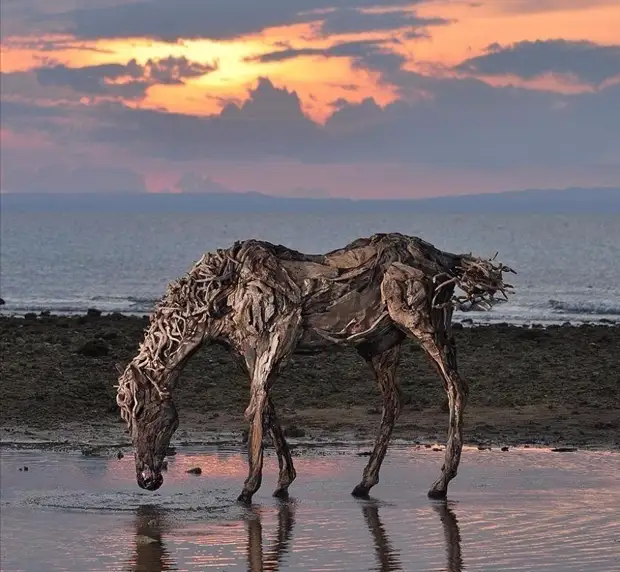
(554, 386)
(522, 510)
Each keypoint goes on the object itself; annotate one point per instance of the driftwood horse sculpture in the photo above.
(265, 302)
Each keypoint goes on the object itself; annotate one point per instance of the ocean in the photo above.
(568, 264)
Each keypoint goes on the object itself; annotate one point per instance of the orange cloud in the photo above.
(319, 81)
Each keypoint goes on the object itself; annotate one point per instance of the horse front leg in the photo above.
(263, 357)
(254, 414)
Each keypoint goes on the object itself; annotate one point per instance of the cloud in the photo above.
(355, 21)
(130, 80)
(366, 54)
(191, 182)
(533, 6)
(60, 179)
(587, 61)
(270, 123)
(189, 19)
(461, 124)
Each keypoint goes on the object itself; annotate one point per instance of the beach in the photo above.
(553, 386)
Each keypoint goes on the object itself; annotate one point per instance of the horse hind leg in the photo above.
(408, 295)
(287, 472)
(384, 367)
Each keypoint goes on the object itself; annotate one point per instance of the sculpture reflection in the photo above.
(388, 560)
(151, 555)
(269, 560)
(150, 552)
(452, 535)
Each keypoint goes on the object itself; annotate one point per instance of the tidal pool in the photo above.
(525, 509)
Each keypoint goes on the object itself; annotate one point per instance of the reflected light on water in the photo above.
(268, 552)
(517, 511)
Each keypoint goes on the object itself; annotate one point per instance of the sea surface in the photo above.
(568, 264)
(521, 510)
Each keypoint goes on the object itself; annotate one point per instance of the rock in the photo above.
(164, 466)
(108, 335)
(436, 449)
(90, 452)
(364, 454)
(45, 314)
(93, 313)
(171, 451)
(483, 448)
(504, 449)
(194, 471)
(294, 431)
(119, 455)
(564, 449)
(30, 316)
(457, 326)
(468, 321)
(94, 348)
(2, 302)
(24, 468)
(245, 435)
(115, 316)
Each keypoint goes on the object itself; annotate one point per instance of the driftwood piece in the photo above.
(266, 302)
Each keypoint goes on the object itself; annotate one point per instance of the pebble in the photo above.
(195, 471)
(564, 449)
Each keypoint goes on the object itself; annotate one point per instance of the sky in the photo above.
(312, 98)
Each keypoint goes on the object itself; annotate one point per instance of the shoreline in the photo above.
(537, 386)
(465, 319)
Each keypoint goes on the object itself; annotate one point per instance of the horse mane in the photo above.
(188, 302)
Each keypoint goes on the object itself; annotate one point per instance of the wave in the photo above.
(597, 307)
(123, 304)
(133, 300)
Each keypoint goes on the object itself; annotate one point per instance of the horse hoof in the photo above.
(281, 494)
(245, 498)
(437, 494)
(360, 492)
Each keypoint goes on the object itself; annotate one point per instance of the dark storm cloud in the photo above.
(102, 79)
(589, 62)
(171, 20)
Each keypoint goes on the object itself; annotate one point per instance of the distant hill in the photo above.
(603, 200)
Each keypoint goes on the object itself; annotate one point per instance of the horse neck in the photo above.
(169, 341)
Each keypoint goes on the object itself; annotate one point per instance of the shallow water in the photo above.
(524, 509)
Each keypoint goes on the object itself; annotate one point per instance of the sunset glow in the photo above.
(328, 58)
